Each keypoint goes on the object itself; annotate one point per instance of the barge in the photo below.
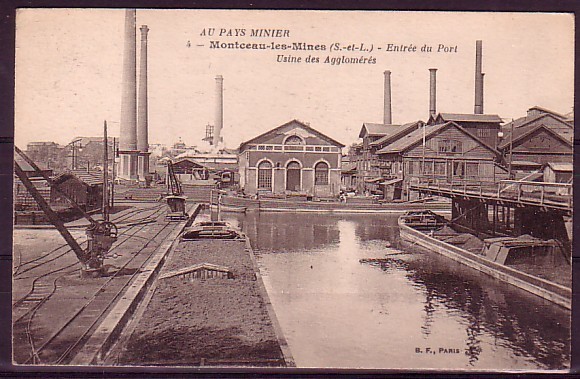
(500, 258)
(211, 230)
(240, 204)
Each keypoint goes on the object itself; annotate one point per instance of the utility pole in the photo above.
(105, 173)
(511, 148)
(114, 172)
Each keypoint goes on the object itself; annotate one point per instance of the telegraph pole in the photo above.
(114, 172)
(105, 173)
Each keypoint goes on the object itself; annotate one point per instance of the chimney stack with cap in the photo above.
(128, 152)
(142, 117)
(387, 118)
(433, 92)
(219, 110)
(128, 140)
(478, 108)
(142, 133)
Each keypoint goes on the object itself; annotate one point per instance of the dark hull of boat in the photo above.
(240, 204)
(550, 291)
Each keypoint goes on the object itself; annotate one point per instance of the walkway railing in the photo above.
(544, 194)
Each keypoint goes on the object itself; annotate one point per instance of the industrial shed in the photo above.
(85, 188)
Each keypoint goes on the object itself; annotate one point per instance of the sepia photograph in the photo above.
(293, 189)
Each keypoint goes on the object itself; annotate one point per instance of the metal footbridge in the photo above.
(510, 193)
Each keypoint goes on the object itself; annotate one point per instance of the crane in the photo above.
(175, 197)
(100, 234)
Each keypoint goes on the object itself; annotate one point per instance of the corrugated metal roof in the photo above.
(348, 167)
(391, 182)
(416, 136)
(374, 129)
(526, 163)
(546, 110)
(467, 117)
(561, 166)
(394, 131)
(411, 138)
(522, 131)
(91, 178)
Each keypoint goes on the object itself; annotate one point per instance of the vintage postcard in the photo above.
(293, 189)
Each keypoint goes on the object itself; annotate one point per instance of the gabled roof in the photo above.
(526, 121)
(195, 163)
(373, 129)
(90, 178)
(42, 143)
(545, 110)
(416, 137)
(467, 117)
(561, 166)
(302, 125)
(396, 132)
(523, 132)
(86, 140)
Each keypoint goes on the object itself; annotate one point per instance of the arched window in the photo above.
(294, 140)
(321, 174)
(265, 175)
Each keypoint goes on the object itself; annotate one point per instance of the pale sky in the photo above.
(68, 70)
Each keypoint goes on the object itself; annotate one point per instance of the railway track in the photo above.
(64, 249)
(37, 294)
(62, 343)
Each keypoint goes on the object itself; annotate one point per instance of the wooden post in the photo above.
(114, 173)
(494, 218)
(105, 204)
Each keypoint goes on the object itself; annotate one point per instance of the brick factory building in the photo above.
(291, 159)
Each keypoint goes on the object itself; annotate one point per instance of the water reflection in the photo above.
(338, 312)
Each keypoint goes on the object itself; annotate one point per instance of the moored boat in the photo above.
(515, 260)
(211, 230)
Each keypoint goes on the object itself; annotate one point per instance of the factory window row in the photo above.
(459, 169)
(313, 148)
(321, 174)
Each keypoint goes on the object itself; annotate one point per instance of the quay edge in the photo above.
(99, 343)
(288, 358)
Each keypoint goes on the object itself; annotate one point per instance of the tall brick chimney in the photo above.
(387, 117)
(219, 110)
(128, 137)
(433, 92)
(142, 116)
(128, 152)
(142, 132)
(478, 108)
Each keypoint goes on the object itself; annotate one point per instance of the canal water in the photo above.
(347, 296)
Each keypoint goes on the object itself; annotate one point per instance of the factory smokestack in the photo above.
(433, 92)
(128, 140)
(387, 118)
(142, 137)
(478, 108)
(219, 110)
(128, 153)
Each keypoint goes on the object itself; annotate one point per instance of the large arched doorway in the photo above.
(265, 176)
(293, 176)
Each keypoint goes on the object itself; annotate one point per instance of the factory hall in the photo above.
(293, 158)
